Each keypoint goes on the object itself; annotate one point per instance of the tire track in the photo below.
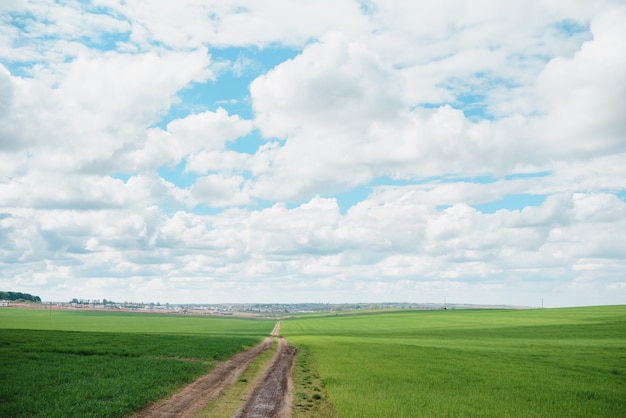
(273, 396)
(197, 394)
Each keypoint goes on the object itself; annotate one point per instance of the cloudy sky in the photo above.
(199, 151)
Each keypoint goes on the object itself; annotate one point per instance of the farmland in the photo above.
(544, 362)
(127, 322)
(64, 363)
(552, 362)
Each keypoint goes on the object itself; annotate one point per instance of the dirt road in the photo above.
(276, 331)
(271, 398)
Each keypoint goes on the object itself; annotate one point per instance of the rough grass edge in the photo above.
(310, 399)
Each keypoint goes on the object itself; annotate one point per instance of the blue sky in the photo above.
(341, 151)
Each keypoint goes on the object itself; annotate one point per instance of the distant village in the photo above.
(227, 309)
(240, 309)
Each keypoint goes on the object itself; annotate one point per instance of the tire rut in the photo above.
(197, 394)
(272, 397)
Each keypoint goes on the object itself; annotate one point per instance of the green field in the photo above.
(530, 363)
(113, 321)
(487, 363)
(66, 363)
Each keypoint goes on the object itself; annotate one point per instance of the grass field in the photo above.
(66, 363)
(113, 321)
(531, 363)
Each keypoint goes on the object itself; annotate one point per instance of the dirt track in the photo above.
(271, 398)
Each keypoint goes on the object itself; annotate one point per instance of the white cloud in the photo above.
(191, 23)
(221, 161)
(53, 31)
(219, 191)
(333, 82)
(82, 115)
(338, 106)
(208, 130)
(406, 100)
(591, 86)
(195, 136)
(399, 240)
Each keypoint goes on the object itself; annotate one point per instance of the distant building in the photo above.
(4, 303)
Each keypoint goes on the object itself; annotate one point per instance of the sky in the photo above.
(271, 151)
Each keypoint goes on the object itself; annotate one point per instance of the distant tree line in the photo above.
(92, 301)
(19, 296)
(106, 302)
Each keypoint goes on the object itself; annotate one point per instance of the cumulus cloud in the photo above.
(194, 136)
(192, 23)
(371, 150)
(76, 114)
(219, 191)
(591, 86)
(333, 82)
(397, 239)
